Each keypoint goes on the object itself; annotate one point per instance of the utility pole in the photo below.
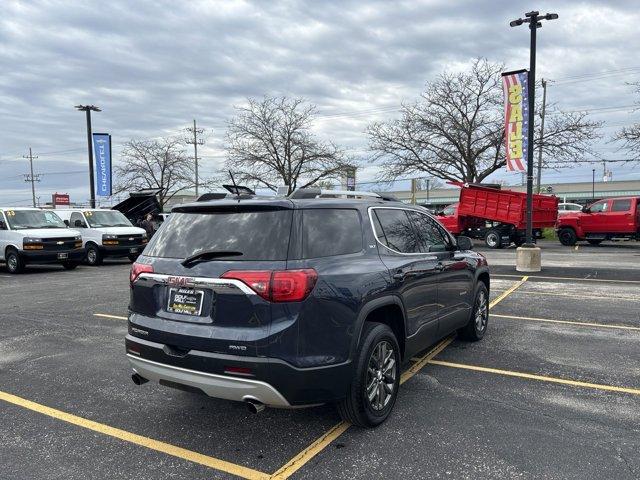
(92, 184)
(534, 19)
(414, 188)
(544, 105)
(31, 177)
(195, 141)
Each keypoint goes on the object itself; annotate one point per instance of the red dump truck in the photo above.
(498, 216)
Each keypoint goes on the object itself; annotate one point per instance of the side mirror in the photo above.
(464, 243)
(3, 226)
(66, 222)
(586, 210)
(78, 224)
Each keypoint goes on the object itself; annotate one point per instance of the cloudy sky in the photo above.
(155, 66)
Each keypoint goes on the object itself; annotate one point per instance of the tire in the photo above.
(595, 242)
(15, 263)
(69, 265)
(567, 236)
(93, 255)
(493, 239)
(357, 408)
(475, 329)
(133, 257)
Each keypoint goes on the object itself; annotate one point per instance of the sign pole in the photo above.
(533, 26)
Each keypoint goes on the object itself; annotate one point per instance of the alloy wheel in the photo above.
(482, 312)
(381, 376)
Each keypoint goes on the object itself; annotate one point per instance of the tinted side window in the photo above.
(394, 230)
(431, 237)
(621, 205)
(328, 232)
(599, 207)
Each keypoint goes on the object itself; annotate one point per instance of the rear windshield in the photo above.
(262, 235)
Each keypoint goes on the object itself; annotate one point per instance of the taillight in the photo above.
(278, 286)
(137, 269)
(258, 280)
(292, 285)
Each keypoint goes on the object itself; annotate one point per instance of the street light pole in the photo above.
(593, 185)
(534, 20)
(92, 183)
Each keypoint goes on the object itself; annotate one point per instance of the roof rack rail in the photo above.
(322, 193)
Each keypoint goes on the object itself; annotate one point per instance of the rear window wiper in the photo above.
(208, 255)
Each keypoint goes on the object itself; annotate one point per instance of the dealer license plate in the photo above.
(63, 256)
(186, 301)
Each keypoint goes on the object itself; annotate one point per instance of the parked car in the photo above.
(300, 301)
(32, 236)
(496, 215)
(602, 220)
(568, 207)
(105, 234)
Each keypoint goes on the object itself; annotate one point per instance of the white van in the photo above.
(35, 236)
(105, 233)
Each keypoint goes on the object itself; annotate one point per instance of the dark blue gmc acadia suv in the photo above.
(314, 298)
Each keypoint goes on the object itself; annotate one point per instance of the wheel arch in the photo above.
(8, 247)
(388, 310)
(483, 276)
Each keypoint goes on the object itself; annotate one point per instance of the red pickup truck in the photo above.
(602, 220)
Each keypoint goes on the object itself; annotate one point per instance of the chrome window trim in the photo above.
(385, 246)
(202, 282)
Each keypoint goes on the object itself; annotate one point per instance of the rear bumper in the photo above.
(273, 381)
(219, 386)
(40, 256)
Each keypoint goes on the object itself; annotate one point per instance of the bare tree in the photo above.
(269, 142)
(159, 164)
(455, 131)
(630, 136)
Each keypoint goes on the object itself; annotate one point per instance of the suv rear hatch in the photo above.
(180, 294)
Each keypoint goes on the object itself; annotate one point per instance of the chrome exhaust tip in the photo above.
(254, 406)
(138, 380)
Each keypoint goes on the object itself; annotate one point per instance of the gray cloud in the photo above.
(154, 66)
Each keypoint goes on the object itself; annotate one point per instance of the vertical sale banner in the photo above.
(102, 155)
(516, 110)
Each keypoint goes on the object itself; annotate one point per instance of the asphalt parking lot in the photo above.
(553, 391)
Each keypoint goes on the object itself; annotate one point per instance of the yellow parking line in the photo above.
(311, 451)
(146, 442)
(608, 280)
(105, 315)
(508, 292)
(567, 322)
(542, 378)
(571, 295)
(422, 361)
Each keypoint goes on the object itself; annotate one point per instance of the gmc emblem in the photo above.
(179, 281)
